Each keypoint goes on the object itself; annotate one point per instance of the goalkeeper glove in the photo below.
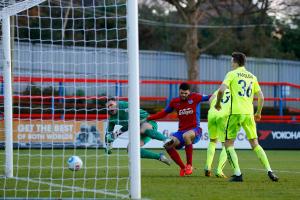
(109, 137)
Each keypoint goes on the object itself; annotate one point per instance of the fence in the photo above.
(58, 106)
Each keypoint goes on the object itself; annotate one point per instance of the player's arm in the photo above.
(220, 94)
(211, 98)
(111, 126)
(228, 78)
(109, 137)
(161, 114)
(260, 102)
(202, 97)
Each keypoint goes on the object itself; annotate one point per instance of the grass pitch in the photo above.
(159, 181)
(165, 183)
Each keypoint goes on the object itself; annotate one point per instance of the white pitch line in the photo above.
(254, 169)
(123, 196)
(280, 171)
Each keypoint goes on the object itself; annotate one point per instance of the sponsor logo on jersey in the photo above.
(186, 111)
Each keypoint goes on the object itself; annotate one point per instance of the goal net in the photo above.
(67, 58)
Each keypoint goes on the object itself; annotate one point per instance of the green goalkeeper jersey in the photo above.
(121, 117)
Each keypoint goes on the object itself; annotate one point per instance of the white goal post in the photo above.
(5, 14)
(64, 59)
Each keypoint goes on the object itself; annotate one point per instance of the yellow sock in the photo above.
(222, 160)
(210, 155)
(233, 160)
(262, 157)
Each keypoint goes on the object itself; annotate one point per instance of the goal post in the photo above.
(5, 14)
(69, 57)
(134, 123)
(8, 109)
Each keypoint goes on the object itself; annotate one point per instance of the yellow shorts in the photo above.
(236, 121)
(217, 126)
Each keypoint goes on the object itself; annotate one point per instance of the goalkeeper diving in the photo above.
(118, 115)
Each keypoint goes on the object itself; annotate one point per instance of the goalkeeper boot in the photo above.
(272, 176)
(188, 169)
(236, 178)
(182, 172)
(164, 159)
(207, 173)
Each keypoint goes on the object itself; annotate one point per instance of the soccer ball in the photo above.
(74, 163)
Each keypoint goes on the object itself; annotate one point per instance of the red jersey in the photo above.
(188, 111)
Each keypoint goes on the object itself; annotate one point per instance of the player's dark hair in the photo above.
(239, 58)
(111, 99)
(184, 86)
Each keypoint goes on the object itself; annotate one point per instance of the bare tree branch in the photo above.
(212, 43)
(179, 8)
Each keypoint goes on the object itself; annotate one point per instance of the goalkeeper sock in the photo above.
(210, 155)
(262, 157)
(233, 160)
(222, 160)
(155, 135)
(176, 157)
(189, 154)
(149, 154)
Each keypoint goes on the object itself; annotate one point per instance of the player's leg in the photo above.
(221, 127)
(178, 142)
(222, 162)
(150, 129)
(150, 154)
(231, 132)
(210, 152)
(250, 129)
(190, 137)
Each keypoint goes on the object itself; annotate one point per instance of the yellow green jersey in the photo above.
(226, 104)
(243, 85)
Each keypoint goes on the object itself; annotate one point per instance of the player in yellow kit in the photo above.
(243, 86)
(217, 121)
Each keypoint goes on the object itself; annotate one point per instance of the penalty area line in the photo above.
(123, 196)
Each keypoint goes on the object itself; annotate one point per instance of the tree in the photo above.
(195, 12)
(232, 17)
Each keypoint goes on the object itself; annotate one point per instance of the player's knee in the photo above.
(213, 140)
(229, 143)
(175, 143)
(188, 139)
(253, 143)
(142, 143)
(145, 126)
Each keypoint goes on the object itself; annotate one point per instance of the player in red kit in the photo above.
(189, 132)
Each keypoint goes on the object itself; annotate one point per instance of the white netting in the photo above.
(6, 3)
(67, 57)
